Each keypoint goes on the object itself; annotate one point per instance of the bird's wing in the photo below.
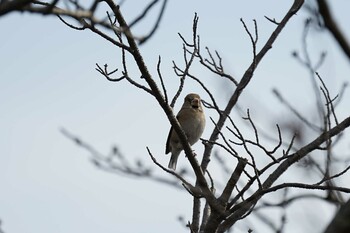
(167, 147)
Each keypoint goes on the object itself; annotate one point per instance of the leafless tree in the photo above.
(247, 181)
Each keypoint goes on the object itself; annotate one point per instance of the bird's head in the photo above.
(194, 100)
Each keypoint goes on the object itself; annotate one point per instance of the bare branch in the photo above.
(329, 101)
(340, 222)
(8, 6)
(246, 79)
(240, 209)
(107, 73)
(333, 176)
(117, 163)
(287, 201)
(167, 109)
(253, 39)
(212, 65)
(156, 25)
(257, 143)
(272, 20)
(240, 137)
(194, 191)
(293, 110)
(305, 186)
(144, 13)
(71, 25)
(183, 73)
(332, 26)
(231, 183)
(161, 80)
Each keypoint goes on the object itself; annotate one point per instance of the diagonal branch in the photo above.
(188, 186)
(246, 79)
(332, 26)
(240, 209)
(145, 74)
(231, 183)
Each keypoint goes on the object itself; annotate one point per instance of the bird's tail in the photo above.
(173, 160)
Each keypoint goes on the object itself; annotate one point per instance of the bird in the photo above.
(192, 120)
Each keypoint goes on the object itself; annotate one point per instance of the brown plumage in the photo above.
(192, 120)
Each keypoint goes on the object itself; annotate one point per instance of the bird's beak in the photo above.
(195, 103)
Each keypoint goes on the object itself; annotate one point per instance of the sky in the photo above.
(48, 82)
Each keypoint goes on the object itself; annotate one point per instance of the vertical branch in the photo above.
(309, 66)
(161, 80)
(185, 72)
(196, 213)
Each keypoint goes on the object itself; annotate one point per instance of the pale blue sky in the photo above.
(48, 81)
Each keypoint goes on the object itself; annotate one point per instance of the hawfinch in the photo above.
(192, 120)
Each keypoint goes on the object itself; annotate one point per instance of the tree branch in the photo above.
(240, 209)
(8, 6)
(246, 79)
(333, 27)
(231, 183)
(167, 109)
